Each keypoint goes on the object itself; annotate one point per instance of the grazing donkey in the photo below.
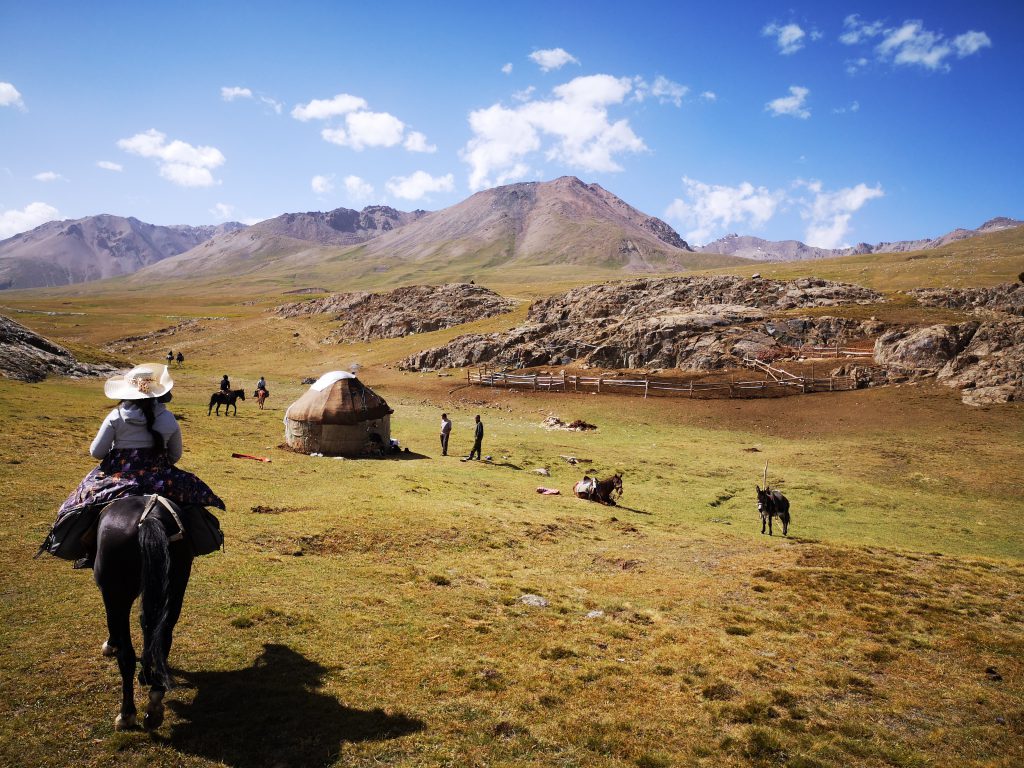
(772, 504)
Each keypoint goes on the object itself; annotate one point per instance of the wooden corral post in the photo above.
(600, 376)
(691, 389)
(647, 384)
(563, 382)
(535, 382)
(575, 383)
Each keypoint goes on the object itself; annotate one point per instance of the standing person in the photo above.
(181, 359)
(478, 438)
(170, 357)
(225, 384)
(138, 444)
(446, 430)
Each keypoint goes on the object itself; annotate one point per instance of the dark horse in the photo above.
(136, 554)
(261, 397)
(227, 399)
(599, 490)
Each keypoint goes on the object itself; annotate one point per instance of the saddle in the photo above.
(588, 485)
(73, 535)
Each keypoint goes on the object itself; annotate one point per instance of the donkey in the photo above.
(772, 504)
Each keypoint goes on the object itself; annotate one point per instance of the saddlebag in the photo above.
(71, 535)
(202, 529)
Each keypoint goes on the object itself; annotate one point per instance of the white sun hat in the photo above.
(141, 382)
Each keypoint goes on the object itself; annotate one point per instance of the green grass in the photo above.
(368, 612)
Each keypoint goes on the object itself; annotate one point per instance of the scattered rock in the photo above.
(534, 600)
(1006, 297)
(412, 309)
(594, 614)
(993, 674)
(542, 471)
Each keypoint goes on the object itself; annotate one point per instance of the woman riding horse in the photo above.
(138, 444)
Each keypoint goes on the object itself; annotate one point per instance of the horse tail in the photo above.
(156, 564)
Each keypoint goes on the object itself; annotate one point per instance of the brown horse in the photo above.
(599, 490)
(261, 397)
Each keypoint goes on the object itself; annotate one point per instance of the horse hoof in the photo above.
(108, 650)
(154, 717)
(125, 722)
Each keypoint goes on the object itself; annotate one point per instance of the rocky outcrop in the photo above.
(699, 323)
(1006, 297)
(983, 359)
(27, 356)
(404, 311)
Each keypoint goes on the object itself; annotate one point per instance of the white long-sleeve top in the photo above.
(125, 427)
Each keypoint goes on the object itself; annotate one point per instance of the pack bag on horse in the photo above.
(601, 491)
(771, 504)
(261, 393)
(229, 399)
(138, 445)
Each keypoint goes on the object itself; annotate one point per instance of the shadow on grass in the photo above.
(272, 714)
(623, 507)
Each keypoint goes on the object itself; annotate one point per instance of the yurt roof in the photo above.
(338, 397)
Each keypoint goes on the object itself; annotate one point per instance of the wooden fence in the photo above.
(779, 382)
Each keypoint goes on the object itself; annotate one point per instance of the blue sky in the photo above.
(831, 123)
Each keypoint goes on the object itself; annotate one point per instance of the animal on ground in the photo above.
(139, 550)
(600, 491)
(261, 397)
(771, 503)
(227, 399)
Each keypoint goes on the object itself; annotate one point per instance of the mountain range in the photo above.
(564, 222)
(748, 247)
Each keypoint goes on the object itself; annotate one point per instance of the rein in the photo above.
(151, 505)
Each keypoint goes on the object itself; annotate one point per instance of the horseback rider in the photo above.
(225, 384)
(261, 384)
(137, 444)
(180, 358)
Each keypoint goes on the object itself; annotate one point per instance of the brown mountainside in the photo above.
(92, 248)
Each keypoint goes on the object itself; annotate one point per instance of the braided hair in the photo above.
(148, 409)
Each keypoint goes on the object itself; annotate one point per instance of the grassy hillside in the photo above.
(369, 612)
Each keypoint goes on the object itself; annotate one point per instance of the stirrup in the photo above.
(84, 562)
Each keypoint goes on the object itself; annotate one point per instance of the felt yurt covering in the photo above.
(338, 416)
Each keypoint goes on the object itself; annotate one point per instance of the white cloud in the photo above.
(358, 189)
(419, 184)
(792, 104)
(574, 125)
(854, 106)
(180, 162)
(857, 31)
(322, 184)
(31, 216)
(911, 43)
(828, 213)
(664, 90)
(277, 106)
(853, 66)
(230, 93)
(367, 129)
(709, 96)
(47, 176)
(708, 209)
(788, 37)
(970, 42)
(507, 69)
(222, 211)
(362, 128)
(553, 58)
(524, 95)
(107, 165)
(417, 142)
(10, 97)
(321, 109)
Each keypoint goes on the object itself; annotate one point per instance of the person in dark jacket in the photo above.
(225, 384)
(478, 439)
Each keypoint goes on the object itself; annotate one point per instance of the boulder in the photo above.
(923, 351)
(27, 356)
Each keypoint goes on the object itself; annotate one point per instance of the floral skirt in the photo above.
(135, 472)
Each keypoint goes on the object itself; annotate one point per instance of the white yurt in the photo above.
(338, 416)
